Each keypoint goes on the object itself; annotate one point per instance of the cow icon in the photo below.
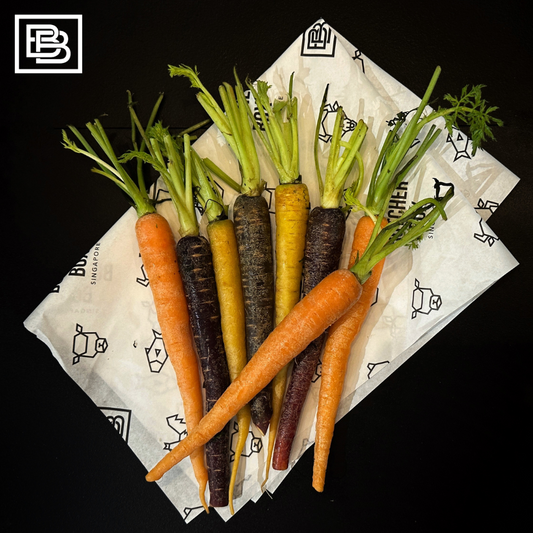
(87, 344)
(424, 300)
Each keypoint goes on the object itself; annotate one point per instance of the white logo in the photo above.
(43, 37)
(43, 45)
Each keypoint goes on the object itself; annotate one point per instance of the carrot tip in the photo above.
(151, 476)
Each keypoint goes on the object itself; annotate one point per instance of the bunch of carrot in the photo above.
(259, 339)
(339, 299)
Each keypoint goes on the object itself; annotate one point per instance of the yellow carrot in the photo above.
(228, 277)
(292, 213)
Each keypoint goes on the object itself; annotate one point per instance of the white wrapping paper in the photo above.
(100, 322)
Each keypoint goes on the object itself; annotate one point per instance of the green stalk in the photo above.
(280, 135)
(113, 170)
(232, 121)
(469, 109)
(315, 146)
(407, 230)
(228, 180)
(173, 161)
(207, 192)
(341, 159)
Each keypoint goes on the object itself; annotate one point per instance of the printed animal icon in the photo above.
(87, 344)
(424, 300)
(156, 353)
(328, 121)
(460, 144)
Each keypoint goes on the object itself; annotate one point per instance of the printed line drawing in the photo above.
(327, 122)
(87, 344)
(460, 144)
(120, 420)
(358, 56)
(484, 235)
(268, 193)
(488, 205)
(177, 423)
(318, 371)
(188, 510)
(374, 368)
(424, 300)
(319, 40)
(156, 353)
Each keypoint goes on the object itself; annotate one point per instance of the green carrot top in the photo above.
(341, 158)
(278, 130)
(469, 109)
(233, 122)
(113, 167)
(183, 172)
(407, 230)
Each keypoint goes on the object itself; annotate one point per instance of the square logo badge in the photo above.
(319, 40)
(48, 44)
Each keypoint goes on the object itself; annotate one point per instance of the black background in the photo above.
(444, 442)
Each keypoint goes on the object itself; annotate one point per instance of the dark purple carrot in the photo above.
(196, 267)
(251, 218)
(324, 238)
(325, 235)
(254, 239)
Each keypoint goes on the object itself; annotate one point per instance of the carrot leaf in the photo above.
(170, 156)
(469, 109)
(113, 169)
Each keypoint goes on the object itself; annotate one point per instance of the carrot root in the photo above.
(195, 260)
(254, 239)
(228, 277)
(336, 355)
(323, 247)
(292, 214)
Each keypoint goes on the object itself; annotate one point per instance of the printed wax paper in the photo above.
(100, 324)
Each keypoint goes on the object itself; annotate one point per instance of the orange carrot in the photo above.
(337, 352)
(158, 253)
(327, 302)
